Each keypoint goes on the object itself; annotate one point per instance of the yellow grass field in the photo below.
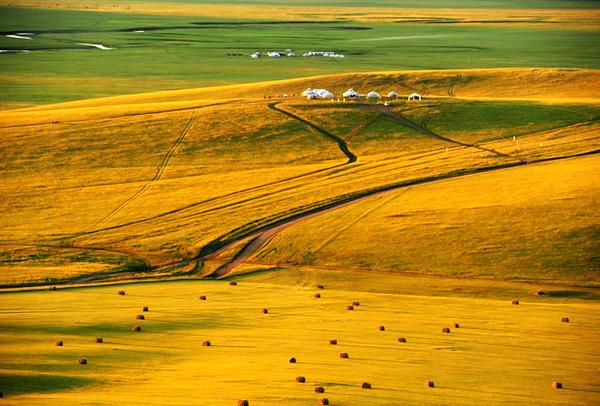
(427, 213)
(501, 353)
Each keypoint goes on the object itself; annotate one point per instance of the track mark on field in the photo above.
(361, 126)
(424, 130)
(341, 143)
(159, 172)
(453, 84)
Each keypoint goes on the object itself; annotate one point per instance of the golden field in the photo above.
(281, 193)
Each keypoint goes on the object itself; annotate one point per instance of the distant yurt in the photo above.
(373, 95)
(306, 92)
(350, 94)
(392, 95)
(324, 94)
(414, 97)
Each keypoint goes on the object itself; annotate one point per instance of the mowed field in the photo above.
(283, 194)
(499, 354)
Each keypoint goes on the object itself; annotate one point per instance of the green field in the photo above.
(195, 54)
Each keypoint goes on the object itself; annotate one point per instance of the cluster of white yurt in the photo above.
(317, 94)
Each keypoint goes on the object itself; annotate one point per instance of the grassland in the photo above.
(197, 46)
(501, 353)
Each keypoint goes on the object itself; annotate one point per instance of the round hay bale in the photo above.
(317, 295)
(356, 303)
(349, 307)
(300, 379)
(203, 297)
(381, 328)
(557, 385)
(515, 302)
(366, 385)
(243, 403)
(206, 343)
(265, 311)
(292, 360)
(140, 317)
(145, 309)
(429, 384)
(456, 325)
(99, 340)
(82, 361)
(58, 343)
(233, 283)
(344, 355)
(446, 330)
(320, 287)
(541, 293)
(121, 293)
(319, 389)
(401, 339)
(565, 320)
(323, 401)
(52, 288)
(137, 328)
(333, 342)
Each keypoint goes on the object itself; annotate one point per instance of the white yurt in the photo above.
(414, 96)
(392, 95)
(373, 95)
(350, 94)
(306, 92)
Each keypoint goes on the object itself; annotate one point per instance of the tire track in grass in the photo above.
(159, 172)
(453, 84)
(339, 141)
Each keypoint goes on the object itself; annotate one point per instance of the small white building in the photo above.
(415, 97)
(273, 54)
(373, 95)
(392, 95)
(350, 94)
(255, 55)
(312, 94)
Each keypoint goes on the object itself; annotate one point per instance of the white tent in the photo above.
(324, 94)
(350, 93)
(306, 92)
(414, 96)
(255, 55)
(373, 95)
(392, 95)
(273, 54)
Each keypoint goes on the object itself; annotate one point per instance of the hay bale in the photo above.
(565, 319)
(429, 384)
(265, 311)
(557, 385)
(541, 293)
(121, 293)
(137, 328)
(206, 343)
(203, 297)
(320, 287)
(300, 379)
(233, 283)
(140, 317)
(349, 307)
(333, 342)
(82, 361)
(317, 295)
(323, 401)
(99, 340)
(58, 343)
(401, 339)
(381, 328)
(515, 302)
(319, 389)
(356, 303)
(366, 385)
(292, 360)
(52, 288)
(243, 403)
(344, 355)
(145, 309)
(456, 325)
(446, 330)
